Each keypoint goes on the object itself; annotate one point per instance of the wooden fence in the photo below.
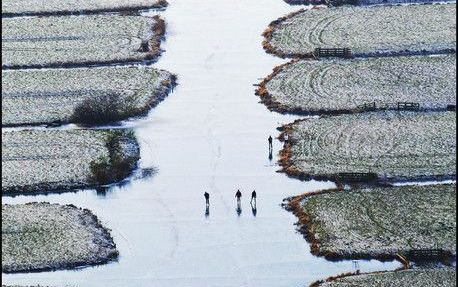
(406, 106)
(357, 177)
(333, 52)
(427, 255)
(399, 106)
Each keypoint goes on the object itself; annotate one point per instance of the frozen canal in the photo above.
(209, 135)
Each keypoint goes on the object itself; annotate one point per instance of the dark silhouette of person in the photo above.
(253, 197)
(270, 143)
(238, 195)
(207, 198)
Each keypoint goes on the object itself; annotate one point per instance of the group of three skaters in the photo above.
(238, 195)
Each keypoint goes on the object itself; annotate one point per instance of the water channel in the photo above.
(209, 135)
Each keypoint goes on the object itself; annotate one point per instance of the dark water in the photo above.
(209, 135)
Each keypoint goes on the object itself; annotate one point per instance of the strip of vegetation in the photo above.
(337, 3)
(345, 86)
(367, 31)
(374, 147)
(440, 277)
(123, 155)
(43, 161)
(366, 223)
(80, 41)
(15, 8)
(305, 2)
(89, 96)
(44, 237)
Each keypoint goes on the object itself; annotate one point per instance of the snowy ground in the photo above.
(444, 277)
(367, 30)
(45, 96)
(42, 236)
(393, 145)
(378, 222)
(55, 160)
(33, 7)
(346, 85)
(68, 40)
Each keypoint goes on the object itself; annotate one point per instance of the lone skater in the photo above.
(207, 198)
(238, 195)
(253, 197)
(270, 143)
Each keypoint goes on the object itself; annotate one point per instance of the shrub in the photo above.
(123, 156)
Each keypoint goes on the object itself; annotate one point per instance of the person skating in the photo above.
(238, 195)
(207, 199)
(253, 197)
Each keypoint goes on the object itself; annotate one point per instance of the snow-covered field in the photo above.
(378, 222)
(42, 236)
(68, 40)
(393, 145)
(57, 160)
(439, 277)
(33, 7)
(345, 85)
(379, 30)
(45, 96)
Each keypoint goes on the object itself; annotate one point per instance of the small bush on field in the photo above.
(121, 161)
(104, 109)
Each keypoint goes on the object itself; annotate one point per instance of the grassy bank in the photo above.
(378, 222)
(42, 236)
(385, 146)
(79, 41)
(440, 277)
(14, 8)
(367, 31)
(41, 161)
(345, 86)
(87, 96)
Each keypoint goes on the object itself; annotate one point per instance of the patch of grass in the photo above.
(44, 161)
(79, 41)
(104, 109)
(346, 86)
(422, 277)
(45, 237)
(88, 96)
(367, 31)
(366, 223)
(122, 159)
(389, 146)
(16, 8)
